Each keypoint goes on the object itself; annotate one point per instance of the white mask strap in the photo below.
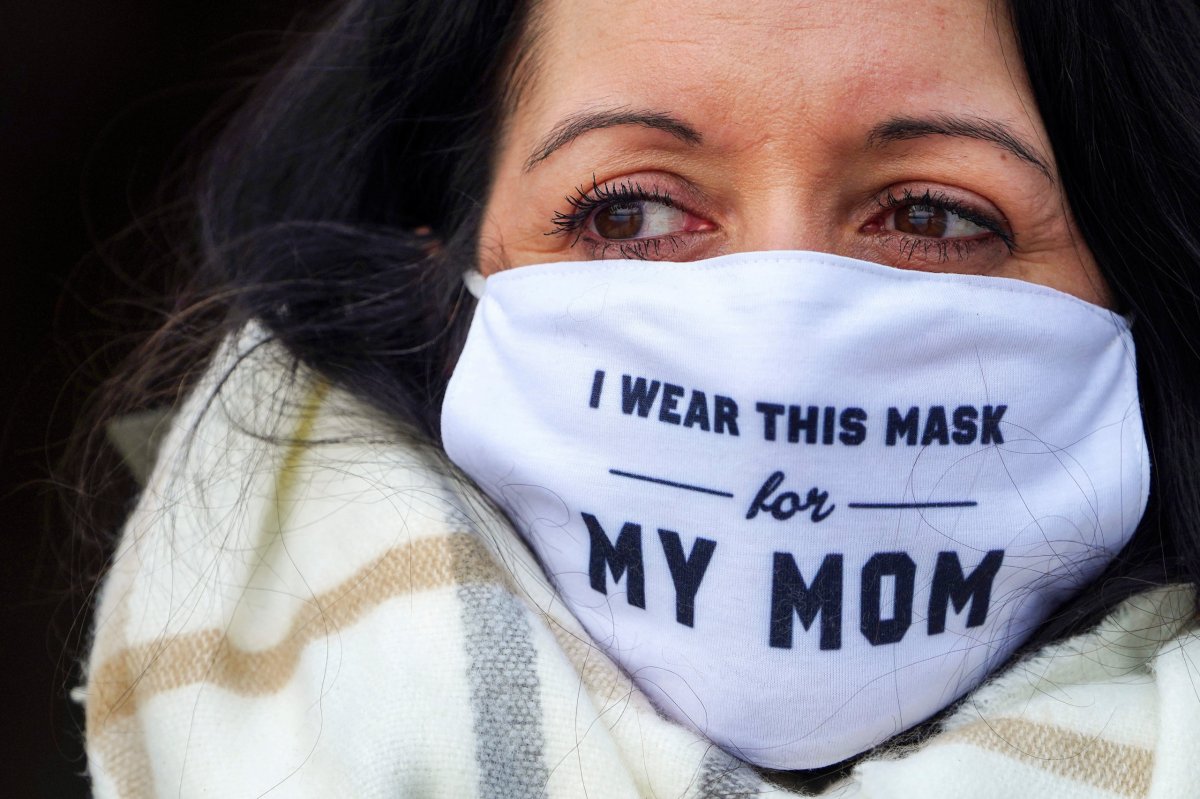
(475, 282)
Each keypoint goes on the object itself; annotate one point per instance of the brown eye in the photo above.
(619, 221)
(637, 219)
(932, 222)
(922, 220)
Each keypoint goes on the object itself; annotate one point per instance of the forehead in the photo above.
(774, 71)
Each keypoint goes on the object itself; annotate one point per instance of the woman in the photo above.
(869, 434)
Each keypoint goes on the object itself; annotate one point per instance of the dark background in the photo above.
(100, 104)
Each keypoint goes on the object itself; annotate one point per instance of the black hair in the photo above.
(342, 204)
(337, 205)
(1117, 84)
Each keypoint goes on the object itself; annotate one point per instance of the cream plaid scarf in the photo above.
(304, 605)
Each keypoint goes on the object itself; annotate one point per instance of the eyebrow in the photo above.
(894, 129)
(575, 126)
(988, 130)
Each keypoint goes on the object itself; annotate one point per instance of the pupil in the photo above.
(922, 220)
(622, 221)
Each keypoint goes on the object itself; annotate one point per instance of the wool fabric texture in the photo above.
(305, 603)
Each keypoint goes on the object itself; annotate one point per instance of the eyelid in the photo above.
(645, 186)
(683, 193)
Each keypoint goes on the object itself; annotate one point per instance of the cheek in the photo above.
(1051, 252)
(505, 239)
(1070, 269)
(491, 258)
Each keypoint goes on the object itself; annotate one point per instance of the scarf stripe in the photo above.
(505, 693)
(134, 674)
(723, 777)
(1115, 767)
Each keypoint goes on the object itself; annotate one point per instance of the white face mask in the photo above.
(805, 501)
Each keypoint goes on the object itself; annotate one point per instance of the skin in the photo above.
(782, 99)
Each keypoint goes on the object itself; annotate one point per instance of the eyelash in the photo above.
(585, 201)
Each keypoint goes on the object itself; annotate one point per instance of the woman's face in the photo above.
(891, 131)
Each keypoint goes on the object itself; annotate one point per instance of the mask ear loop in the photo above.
(475, 282)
